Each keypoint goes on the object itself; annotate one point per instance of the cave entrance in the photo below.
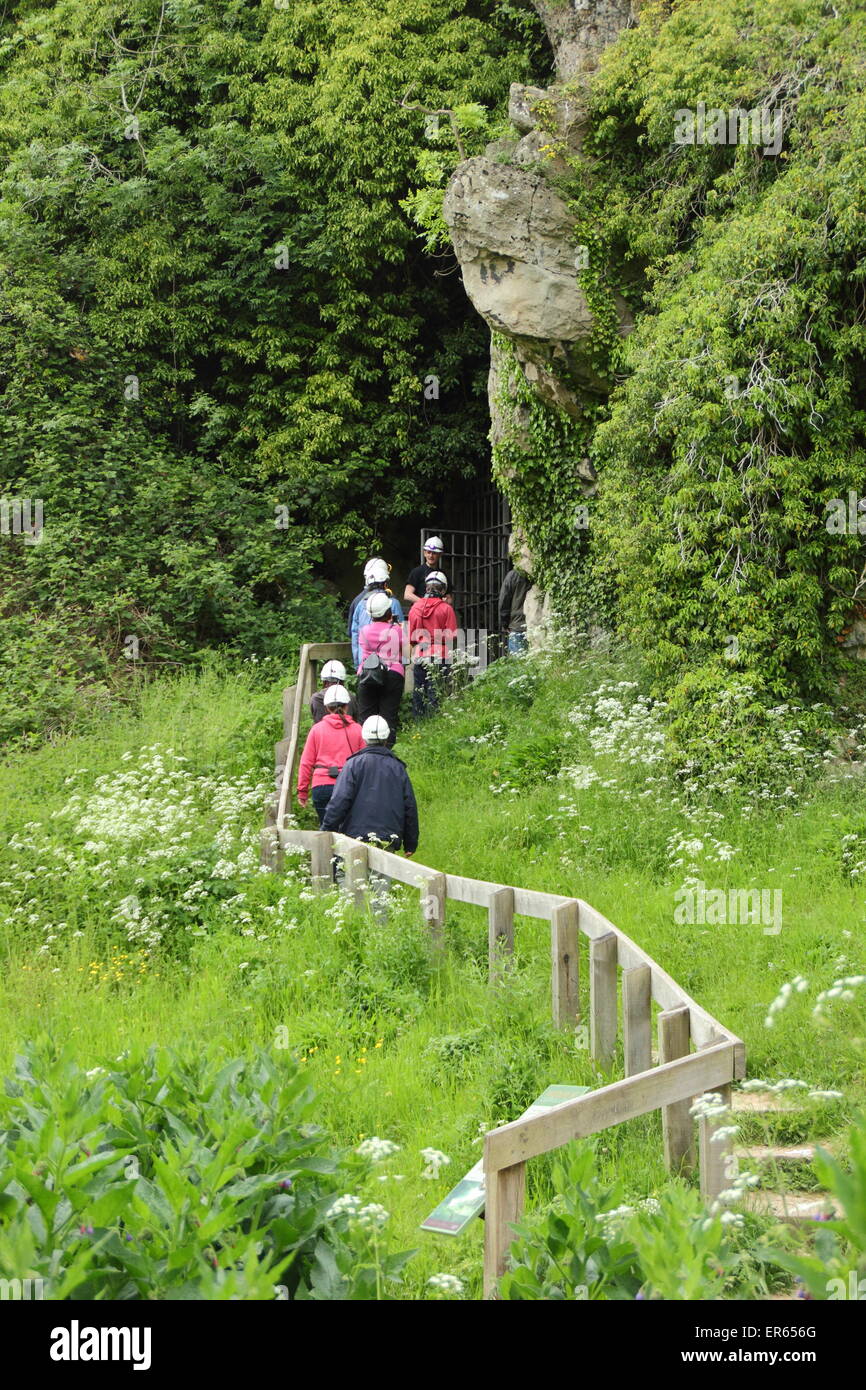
(476, 558)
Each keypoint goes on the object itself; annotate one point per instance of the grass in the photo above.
(231, 959)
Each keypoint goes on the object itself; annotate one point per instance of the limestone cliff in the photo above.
(514, 235)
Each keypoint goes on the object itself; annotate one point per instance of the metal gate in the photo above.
(476, 562)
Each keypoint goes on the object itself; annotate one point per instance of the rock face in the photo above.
(514, 235)
(515, 239)
(579, 30)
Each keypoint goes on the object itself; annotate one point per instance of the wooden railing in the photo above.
(669, 1086)
(295, 698)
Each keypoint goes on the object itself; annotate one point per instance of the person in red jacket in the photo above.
(329, 744)
(432, 629)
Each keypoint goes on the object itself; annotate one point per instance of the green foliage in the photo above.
(535, 461)
(836, 1269)
(736, 410)
(743, 413)
(54, 675)
(214, 326)
(589, 1245)
(453, 1052)
(569, 1251)
(176, 1176)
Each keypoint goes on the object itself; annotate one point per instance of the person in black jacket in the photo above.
(373, 797)
(512, 619)
(333, 673)
(512, 597)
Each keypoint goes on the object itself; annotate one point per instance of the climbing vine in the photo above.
(537, 461)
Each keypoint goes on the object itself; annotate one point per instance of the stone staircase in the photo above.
(792, 1206)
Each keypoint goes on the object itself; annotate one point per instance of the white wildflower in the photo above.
(347, 1205)
(377, 1149)
(435, 1160)
(446, 1283)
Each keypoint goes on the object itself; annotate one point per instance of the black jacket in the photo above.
(317, 706)
(512, 596)
(373, 797)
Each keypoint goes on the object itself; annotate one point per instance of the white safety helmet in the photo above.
(376, 572)
(333, 671)
(378, 605)
(437, 578)
(434, 543)
(337, 695)
(375, 729)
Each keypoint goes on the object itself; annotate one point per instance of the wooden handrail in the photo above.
(507, 1148)
(705, 1030)
(310, 652)
(611, 1105)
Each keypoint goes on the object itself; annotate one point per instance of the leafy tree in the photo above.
(215, 317)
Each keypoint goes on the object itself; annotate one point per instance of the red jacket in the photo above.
(384, 640)
(431, 621)
(329, 743)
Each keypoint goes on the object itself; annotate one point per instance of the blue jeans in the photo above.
(321, 796)
(517, 643)
(429, 680)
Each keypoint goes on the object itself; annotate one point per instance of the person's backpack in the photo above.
(373, 671)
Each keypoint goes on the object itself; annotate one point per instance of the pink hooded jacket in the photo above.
(329, 743)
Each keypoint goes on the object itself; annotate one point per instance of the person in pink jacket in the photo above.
(329, 744)
(381, 675)
(432, 630)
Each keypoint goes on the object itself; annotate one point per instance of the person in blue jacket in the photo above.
(376, 575)
(375, 563)
(373, 798)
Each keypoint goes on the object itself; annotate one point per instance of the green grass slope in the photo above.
(133, 912)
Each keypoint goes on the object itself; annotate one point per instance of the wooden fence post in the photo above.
(288, 709)
(271, 853)
(602, 999)
(717, 1158)
(637, 1019)
(433, 892)
(504, 1190)
(677, 1124)
(320, 862)
(500, 933)
(565, 964)
(356, 862)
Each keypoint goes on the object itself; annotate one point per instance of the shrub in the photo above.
(180, 1176)
(590, 1245)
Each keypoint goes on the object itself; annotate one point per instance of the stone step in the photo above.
(783, 1154)
(792, 1207)
(765, 1102)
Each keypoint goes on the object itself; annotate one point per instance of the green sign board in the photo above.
(466, 1200)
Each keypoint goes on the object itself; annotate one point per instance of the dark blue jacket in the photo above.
(373, 797)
